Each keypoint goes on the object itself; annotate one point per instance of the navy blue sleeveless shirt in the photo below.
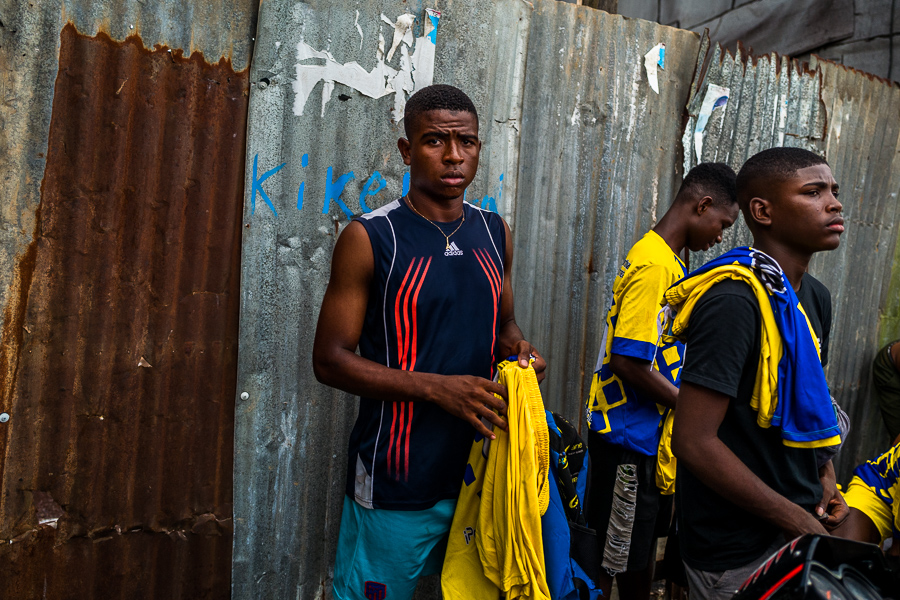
(434, 310)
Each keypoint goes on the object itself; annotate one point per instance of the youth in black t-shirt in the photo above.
(723, 348)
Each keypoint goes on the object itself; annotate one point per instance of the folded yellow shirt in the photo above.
(495, 544)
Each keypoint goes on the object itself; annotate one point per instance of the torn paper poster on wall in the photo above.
(653, 62)
(416, 69)
(716, 97)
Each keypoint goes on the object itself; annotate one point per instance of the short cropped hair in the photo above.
(436, 97)
(716, 180)
(772, 165)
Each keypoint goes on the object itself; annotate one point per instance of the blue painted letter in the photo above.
(405, 184)
(257, 186)
(333, 191)
(303, 162)
(375, 178)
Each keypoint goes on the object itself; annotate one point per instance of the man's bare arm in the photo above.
(639, 375)
(336, 363)
(832, 509)
(858, 526)
(511, 341)
(696, 444)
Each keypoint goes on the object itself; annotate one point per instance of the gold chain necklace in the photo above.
(413, 206)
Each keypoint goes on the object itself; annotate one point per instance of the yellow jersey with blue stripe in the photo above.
(875, 490)
(633, 328)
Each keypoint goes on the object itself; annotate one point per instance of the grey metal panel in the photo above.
(772, 25)
(29, 45)
(639, 9)
(851, 118)
(862, 144)
(605, 169)
(773, 101)
(689, 13)
(610, 6)
(291, 432)
(216, 29)
(872, 56)
(873, 18)
(894, 74)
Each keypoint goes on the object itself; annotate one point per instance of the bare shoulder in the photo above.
(353, 257)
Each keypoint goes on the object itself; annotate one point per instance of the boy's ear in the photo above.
(704, 203)
(760, 211)
(404, 147)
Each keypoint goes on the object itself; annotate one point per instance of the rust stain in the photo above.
(135, 261)
(127, 564)
(12, 334)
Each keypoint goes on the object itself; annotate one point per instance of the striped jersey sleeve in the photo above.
(875, 490)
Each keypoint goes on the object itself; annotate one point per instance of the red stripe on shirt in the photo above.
(399, 435)
(397, 313)
(415, 331)
(406, 449)
(491, 273)
(406, 329)
(391, 446)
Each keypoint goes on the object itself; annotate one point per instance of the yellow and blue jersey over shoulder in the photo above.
(633, 322)
(875, 490)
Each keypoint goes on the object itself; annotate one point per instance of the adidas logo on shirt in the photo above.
(453, 250)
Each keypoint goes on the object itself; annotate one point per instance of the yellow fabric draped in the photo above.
(665, 458)
(495, 546)
(764, 399)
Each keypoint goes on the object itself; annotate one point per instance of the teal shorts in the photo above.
(382, 553)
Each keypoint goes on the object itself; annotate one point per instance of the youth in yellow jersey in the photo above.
(635, 382)
(617, 411)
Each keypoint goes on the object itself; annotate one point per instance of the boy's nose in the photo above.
(453, 155)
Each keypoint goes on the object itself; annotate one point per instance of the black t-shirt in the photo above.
(723, 347)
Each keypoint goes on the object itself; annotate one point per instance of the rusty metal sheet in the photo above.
(850, 118)
(118, 359)
(29, 48)
(121, 566)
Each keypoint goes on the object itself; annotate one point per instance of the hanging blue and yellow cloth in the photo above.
(790, 391)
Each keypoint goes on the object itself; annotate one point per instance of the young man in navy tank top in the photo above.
(422, 287)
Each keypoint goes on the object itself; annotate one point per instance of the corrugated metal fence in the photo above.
(120, 269)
